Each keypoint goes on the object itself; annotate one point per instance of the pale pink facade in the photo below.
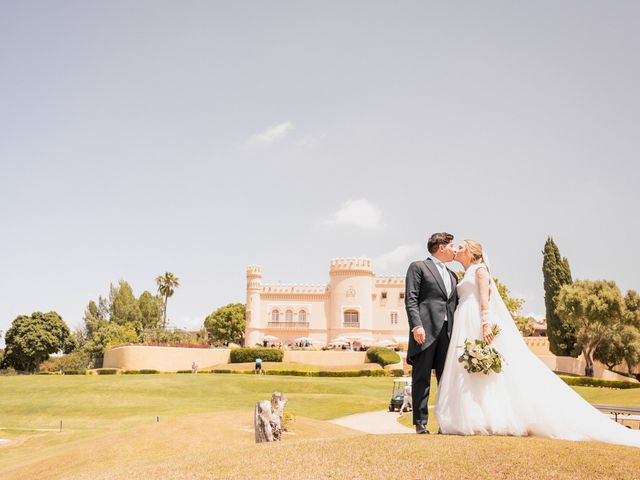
(356, 303)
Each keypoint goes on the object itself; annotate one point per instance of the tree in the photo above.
(167, 284)
(95, 314)
(227, 323)
(526, 325)
(514, 305)
(557, 273)
(611, 350)
(107, 335)
(150, 309)
(631, 353)
(124, 309)
(31, 339)
(593, 310)
(632, 309)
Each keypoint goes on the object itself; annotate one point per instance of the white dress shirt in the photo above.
(444, 273)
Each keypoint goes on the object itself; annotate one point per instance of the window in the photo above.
(288, 316)
(302, 316)
(384, 295)
(401, 295)
(351, 318)
(394, 318)
(275, 316)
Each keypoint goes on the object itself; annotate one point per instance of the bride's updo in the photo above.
(474, 249)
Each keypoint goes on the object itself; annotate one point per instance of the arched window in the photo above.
(394, 318)
(302, 316)
(275, 316)
(288, 316)
(351, 318)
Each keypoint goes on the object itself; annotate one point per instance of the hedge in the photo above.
(382, 356)
(598, 382)
(107, 371)
(249, 354)
(74, 372)
(310, 373)
(293, 373)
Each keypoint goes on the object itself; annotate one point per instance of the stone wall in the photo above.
(164, 359)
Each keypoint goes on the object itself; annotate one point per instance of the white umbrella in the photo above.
(386, 343)
(303, 339)
(269, 337)
(401, 338)
(340, 339)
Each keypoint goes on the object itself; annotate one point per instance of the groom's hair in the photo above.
(440, 238)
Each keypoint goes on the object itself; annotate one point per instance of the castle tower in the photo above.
(254, 319)
(351, 287)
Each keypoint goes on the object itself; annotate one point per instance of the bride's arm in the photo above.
(482, 281)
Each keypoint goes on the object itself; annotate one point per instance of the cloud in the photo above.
(357, 213)
(273, 134)
(399, 256)
(309, 141)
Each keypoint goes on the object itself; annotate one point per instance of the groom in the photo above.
(430, 300)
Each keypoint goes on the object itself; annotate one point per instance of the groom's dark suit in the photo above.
(427, 306)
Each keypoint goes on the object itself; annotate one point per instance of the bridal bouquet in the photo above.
(479, 356)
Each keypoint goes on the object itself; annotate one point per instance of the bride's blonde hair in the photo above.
(475, 250)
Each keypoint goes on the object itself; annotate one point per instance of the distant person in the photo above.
(258, 366)
(407, 406)
(194, 367)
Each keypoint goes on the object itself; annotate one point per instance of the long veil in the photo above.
(552, 408)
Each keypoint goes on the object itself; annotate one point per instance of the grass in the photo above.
(206, 431)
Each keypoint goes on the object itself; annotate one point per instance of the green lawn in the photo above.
(206, 426)
(100, 401)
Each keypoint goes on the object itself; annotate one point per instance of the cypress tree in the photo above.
(556, 272)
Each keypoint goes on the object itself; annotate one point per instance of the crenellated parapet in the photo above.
(350, 266)
(389, 281)
(304, 289)
(254, 278)
(254, 270)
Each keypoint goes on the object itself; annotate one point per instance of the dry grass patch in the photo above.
(148, 450)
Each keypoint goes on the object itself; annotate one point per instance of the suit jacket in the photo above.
(427, 303)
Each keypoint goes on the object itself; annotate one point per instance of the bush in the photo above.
(245, 354)
(294, 373)
(352, 373)
(131, 372)
(74, 372)
(148, 372)
(598, 382)
(382, 356)
(106, 371)
(397, 372)
(221, 370)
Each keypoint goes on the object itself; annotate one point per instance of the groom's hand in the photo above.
(419, 335)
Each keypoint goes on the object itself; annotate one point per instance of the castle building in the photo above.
(357, 305)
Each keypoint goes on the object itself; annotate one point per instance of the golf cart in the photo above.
(397, 395)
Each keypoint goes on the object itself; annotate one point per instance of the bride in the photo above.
(526, 398)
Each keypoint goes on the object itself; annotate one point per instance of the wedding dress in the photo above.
(526, 398)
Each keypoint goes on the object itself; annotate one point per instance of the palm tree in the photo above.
(167, 284)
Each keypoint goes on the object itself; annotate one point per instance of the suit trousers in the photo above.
(433, 357)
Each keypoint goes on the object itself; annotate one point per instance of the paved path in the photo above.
(381, 422)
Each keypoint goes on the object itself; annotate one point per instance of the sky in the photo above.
(199, 137)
